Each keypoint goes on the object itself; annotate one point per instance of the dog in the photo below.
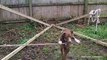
(65, 40)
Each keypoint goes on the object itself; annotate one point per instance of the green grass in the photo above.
(52, 35)
(22, 41)
(27, 31)
(45, 50)
(90, 31)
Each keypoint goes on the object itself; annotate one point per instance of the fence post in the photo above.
(85, 10)
(0, 13)
(30, 8)
(31, 11)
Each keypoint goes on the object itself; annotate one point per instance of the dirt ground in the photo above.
(21, 32)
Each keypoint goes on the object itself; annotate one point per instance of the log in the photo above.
(84, 36)
(23, 15)
(24, 45)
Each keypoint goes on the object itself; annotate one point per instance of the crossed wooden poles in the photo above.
(49, 26)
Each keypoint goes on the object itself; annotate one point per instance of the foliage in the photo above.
(45, 50)
(22, 41)
(90, 30)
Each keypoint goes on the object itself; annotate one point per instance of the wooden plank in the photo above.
(18, 13)
(84, 36)
(24, 45)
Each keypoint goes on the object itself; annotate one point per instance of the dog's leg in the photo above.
(63, 55)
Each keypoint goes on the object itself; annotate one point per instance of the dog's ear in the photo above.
(63, 35)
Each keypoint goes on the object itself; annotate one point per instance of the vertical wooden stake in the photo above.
(30, 11)
(30, 8)
(85, 10)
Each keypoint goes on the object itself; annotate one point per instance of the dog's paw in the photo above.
(60, 42)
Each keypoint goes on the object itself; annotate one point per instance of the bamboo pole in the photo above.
(84, 36)
(92, 39)
(37, 44)
(18, 13)
(28, 42)
(73, 19)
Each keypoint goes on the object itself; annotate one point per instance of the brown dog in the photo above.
(65, 41)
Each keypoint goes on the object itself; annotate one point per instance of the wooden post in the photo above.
(0, 14)
(30, 8)
(31, 11)
(85, 6)
(23, 15)
(24, 45)
(85, 10)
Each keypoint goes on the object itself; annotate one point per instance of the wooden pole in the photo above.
(73, 19)
(85, 7)
(30, 8)
(18, 13)
(92, 39)
(30, 11)
(77, 18)
(37, 44)
(24, 45)
(85, 10)
(84, 36)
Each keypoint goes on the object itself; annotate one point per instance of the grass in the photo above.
(23, 41)
(27, 31)
(45, 50)
(52, 35)
(90, 49)
(90, 31)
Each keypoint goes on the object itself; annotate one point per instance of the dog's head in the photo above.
(69, 36)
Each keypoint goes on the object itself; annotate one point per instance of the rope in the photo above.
(40, 44)
(94, 17)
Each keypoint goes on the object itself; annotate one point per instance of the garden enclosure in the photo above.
(50, 9)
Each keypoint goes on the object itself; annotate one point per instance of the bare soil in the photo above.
(12, 34)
